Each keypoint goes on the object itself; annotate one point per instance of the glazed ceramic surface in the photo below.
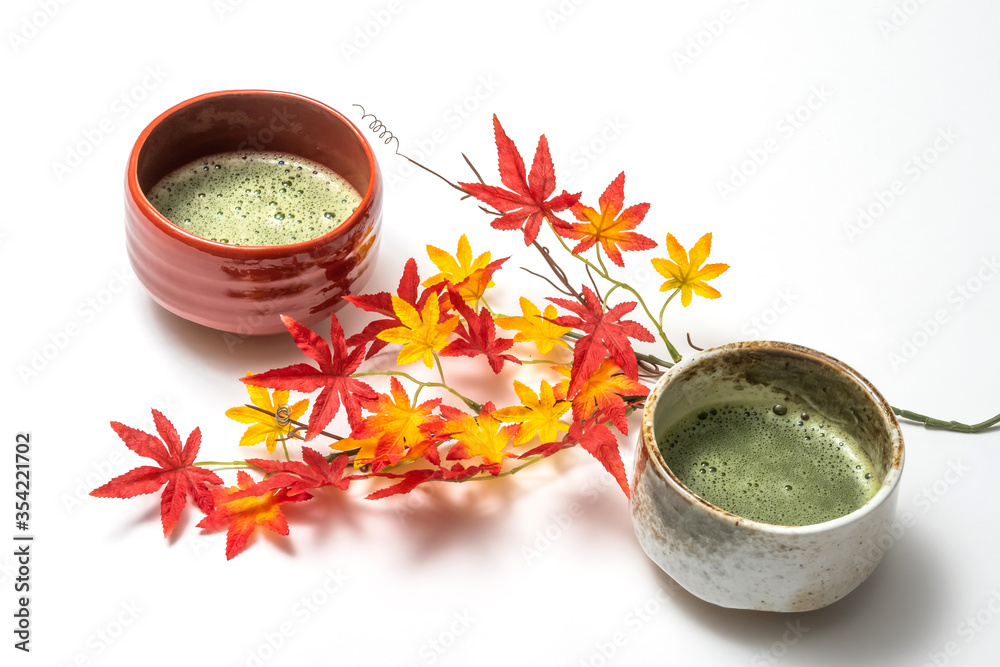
(734, 562)
(243, 289)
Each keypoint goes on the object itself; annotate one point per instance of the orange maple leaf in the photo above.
(610, 226)
(242, 510)
(602, 393)
(396, 432)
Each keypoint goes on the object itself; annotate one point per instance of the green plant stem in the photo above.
(665, 303)
(674, 354)
(606, 273)
(437, 362)
(543, 361)
(931, 422)
(440, 385)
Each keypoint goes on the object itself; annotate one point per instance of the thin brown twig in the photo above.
(693, 346)
(593, 282)
(558, 270)
(473, 168)
(431, 171)
(297, 423)
(559, 289)
(346, 452)
(649, 369)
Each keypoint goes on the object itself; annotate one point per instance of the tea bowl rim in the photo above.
(246, 252)
(647, 439)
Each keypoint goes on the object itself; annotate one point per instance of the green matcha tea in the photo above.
(770, 463)
(255, 198)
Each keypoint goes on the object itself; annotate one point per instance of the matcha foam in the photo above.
(255, 198)
(768, 463)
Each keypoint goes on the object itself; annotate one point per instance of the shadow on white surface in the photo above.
(228, 353)
(889, 615)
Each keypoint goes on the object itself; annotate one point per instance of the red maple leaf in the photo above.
(478, 335)
(411, 479)
(600, 442)
(176, 470)
(242, 508)
(529, 198)
(545, 449)
(381, 303)
(312, 472)
(607, 335)
(332, 376)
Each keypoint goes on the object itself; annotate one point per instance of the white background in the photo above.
(453, 568)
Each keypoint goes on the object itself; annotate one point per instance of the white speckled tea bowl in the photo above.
(735, 562)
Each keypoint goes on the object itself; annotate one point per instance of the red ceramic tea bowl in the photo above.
(243, 289)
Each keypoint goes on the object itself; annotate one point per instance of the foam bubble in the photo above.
(777, 472)
(210, 198)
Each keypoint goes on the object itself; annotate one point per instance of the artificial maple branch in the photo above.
(396, 437)
(674, 354)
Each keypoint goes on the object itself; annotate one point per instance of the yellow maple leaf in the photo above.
(685, 270)
(533, 327)
(478, 435)
(539, 414)
(366, 448)
(459, 268)
(421, 335)
(266, 428)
